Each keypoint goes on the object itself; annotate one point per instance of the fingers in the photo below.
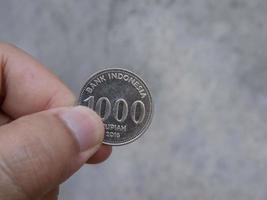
(102, 154)
(52, 195)
(4, 118)
(26, 86)
(39, 151)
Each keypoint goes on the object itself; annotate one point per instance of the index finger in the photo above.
(26, 86)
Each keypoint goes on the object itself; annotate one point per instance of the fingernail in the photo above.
(85, 126)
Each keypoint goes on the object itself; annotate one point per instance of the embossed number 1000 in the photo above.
(119, 111)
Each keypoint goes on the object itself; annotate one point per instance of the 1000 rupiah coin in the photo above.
(122, 100)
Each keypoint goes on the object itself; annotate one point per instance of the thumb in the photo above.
(39, 151)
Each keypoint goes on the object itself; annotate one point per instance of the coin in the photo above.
(122, 100)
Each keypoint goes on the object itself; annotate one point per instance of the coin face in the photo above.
(122, 100)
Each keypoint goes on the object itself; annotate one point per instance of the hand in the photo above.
(43, 138)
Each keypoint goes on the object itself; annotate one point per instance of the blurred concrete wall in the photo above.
(206, 64)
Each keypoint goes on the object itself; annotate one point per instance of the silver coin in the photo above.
(122, 100)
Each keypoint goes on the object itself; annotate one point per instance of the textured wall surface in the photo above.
(206, 64)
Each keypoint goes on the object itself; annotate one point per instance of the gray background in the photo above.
(206, 64)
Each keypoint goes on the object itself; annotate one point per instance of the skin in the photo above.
(31, 134)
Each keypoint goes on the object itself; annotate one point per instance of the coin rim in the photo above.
(147, 124)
